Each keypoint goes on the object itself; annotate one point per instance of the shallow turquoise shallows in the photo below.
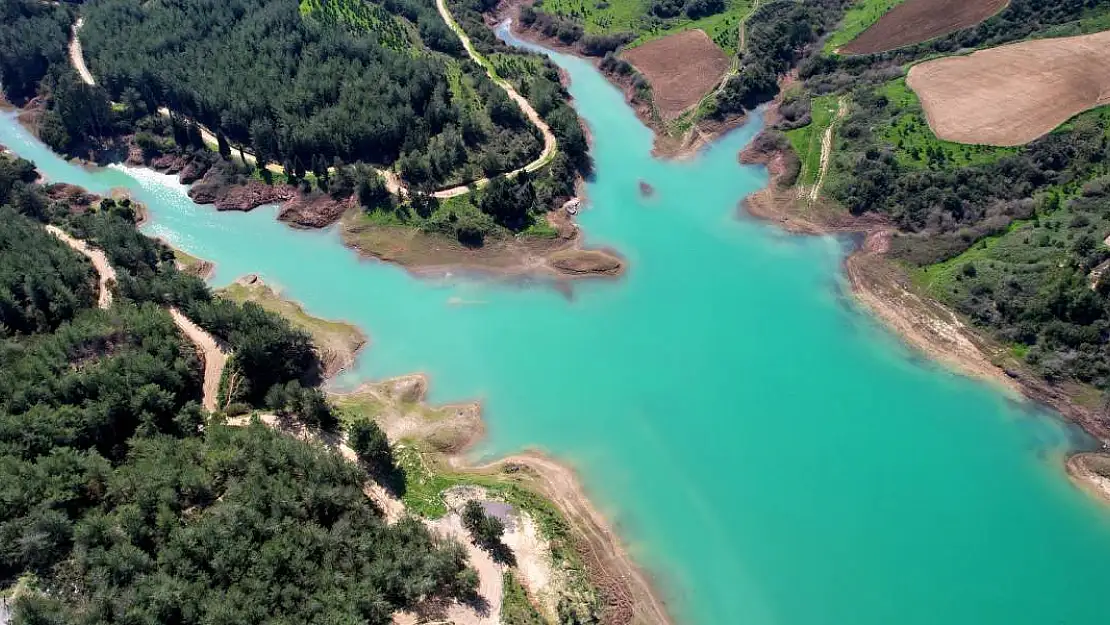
(770, 454)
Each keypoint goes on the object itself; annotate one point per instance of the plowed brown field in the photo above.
(682, 68)
(915, 21)
(1013, 94)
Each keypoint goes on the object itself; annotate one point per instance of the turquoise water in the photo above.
(770, 454)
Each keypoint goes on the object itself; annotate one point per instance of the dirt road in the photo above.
(77, 57)
(392, 181)
(99, 260)
(549, 143)
(826, 148)
(213, 351)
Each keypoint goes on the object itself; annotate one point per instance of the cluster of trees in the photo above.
(1040, 292)
(955, 203)
(486, 531)
(33, 38)
(41, 284)
(124, 507)
(693, 9)
(780, 35)
(570, 32)
(301, 91)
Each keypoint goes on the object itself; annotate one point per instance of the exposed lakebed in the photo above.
(771, 455)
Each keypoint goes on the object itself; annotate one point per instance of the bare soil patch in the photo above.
(682, 68)
(1013, 94)
(915, 21)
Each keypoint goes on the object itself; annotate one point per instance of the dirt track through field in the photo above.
(826, 148)
(1013, 94)
(393, 182)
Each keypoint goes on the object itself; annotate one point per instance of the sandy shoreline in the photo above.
(628, 594)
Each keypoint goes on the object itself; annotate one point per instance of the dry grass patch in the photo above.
(682, 68)
(915, 21)
(1012, 94)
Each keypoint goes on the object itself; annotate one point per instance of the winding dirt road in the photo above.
(99, 260)
(392, 181)
(549, 143)
(212, 351)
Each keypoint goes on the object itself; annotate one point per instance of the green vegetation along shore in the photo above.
(1011, 239)
(325, 123)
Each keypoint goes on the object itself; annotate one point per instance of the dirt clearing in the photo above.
(682, 68)
(1013, 94)
(915, 21)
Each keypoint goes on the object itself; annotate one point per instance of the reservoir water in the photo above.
(770, 454)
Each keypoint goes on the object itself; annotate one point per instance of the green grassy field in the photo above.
(362, 16)
(862, 14)
(807, 139)
(914, 142)
(634, 16)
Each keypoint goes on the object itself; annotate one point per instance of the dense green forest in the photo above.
(337, 83)
(33, 38)
(119, 503)
(300, 89)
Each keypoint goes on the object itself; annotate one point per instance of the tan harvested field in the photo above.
(1013, 94)
(915, 21)
(682, 68)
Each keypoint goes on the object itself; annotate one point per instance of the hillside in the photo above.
(1012, 239)
(121, 492)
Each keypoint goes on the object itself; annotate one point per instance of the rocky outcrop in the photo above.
(230, 192)
(76, 197)
(315, 210)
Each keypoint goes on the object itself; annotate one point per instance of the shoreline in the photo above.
(1086, 478)
(628, 592)
(919, 321)
(561, 259)
(664, 145)
(452, 430)
(509, 257)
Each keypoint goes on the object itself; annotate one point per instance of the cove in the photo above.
(770, 454)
